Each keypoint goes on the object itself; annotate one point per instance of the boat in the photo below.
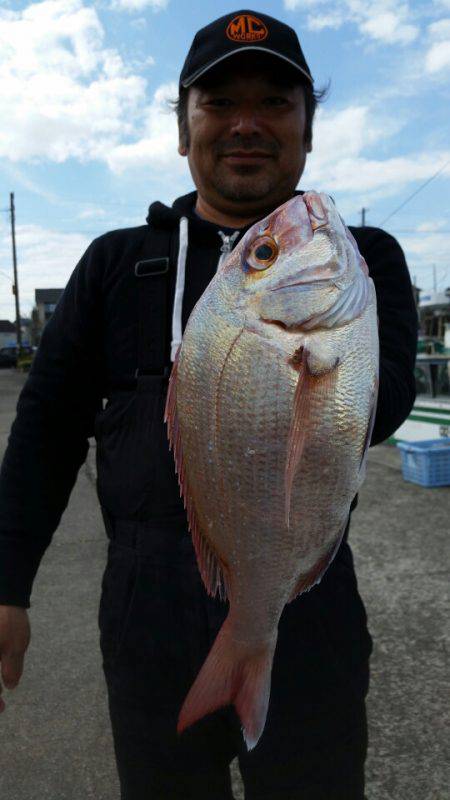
(430, 416)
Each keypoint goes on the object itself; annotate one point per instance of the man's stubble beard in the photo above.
(245, 187)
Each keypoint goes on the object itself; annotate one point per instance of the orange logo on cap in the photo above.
(246, 28)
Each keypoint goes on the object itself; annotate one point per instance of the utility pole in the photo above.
(363, 217)
(434, 278)
(16, 282)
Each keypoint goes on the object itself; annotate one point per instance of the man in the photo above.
(245, 114)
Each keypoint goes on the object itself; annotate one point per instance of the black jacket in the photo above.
(89, 351)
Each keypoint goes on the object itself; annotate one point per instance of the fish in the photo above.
(269, 411)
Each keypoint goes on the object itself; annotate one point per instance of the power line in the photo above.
(415, 192)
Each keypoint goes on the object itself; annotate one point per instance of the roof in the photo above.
(6, 326)
(48, 295)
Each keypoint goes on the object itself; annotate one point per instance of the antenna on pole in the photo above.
(16, 281)
(434, 278)
(363, 217)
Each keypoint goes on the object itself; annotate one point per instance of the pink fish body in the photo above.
(269, 410)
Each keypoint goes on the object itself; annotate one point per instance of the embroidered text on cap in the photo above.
(246, 28)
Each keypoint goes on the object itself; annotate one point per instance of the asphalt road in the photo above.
(55, 742)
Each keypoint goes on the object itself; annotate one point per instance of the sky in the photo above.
(88, 141)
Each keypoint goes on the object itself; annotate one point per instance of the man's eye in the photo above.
(219, 102)
(275, 101)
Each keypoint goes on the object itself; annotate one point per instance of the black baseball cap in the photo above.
(237, 32)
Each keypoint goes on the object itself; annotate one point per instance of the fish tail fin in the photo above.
(232, 674)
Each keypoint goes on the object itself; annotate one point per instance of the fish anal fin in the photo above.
(211, 569)
(315, 575)
(320, 382)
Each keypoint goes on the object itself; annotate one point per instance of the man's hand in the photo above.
(14, 640)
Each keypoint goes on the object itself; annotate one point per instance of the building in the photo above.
(434, 309)
(46, 300)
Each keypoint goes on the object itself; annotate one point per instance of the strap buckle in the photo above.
(150, 267)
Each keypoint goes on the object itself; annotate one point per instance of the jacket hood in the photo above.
(162, 216)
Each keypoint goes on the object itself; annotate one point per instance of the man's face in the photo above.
(246, 147)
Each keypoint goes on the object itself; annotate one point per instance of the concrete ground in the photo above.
(55, 742)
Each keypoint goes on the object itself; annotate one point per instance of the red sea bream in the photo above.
(270, 406)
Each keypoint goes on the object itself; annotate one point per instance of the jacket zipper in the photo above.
(227, 245)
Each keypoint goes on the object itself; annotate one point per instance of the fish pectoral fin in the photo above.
(317, 379)
(315, 575)
(319, 355)
(211, 569)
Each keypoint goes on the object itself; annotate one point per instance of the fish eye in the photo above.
(263, 253)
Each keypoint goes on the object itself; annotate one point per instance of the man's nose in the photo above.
(245, 123)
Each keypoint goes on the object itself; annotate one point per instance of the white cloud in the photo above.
(339, 161)
(91, 212)
(65, 94)
(139, 5)
(390, 175)
(432, 225)
(293, 5)
(386, 21)
(346, 131)
(157, 147)
(46, 259)
(425, 251)
(139, 23)
(440, 29)
(68, 96)
(438, 56)
(388, 27)
(332, 19)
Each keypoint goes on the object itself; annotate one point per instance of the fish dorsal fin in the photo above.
(211, 569)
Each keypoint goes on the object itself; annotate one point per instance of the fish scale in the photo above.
(269, 410)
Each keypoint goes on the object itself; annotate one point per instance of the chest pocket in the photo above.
(136, 471)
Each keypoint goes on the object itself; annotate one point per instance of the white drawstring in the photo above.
(179, 289)
(227, 245)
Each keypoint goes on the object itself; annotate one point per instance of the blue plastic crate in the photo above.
(427, 463)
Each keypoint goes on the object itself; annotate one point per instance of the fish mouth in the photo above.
(286, 286)
(311, 285)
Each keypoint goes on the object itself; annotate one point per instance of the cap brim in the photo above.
(196, 75)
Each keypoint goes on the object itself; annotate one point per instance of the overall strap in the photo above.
(153, 276)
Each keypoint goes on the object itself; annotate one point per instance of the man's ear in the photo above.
(309, 146)
(182, 142)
